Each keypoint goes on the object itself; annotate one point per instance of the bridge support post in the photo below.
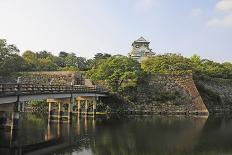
(15, 120)
(59, 110)
(94, 107)
(70, 108)
(79, 106)
(23, 106)
(86, 107)
(49, 110)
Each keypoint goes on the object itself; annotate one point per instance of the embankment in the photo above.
(216, 93)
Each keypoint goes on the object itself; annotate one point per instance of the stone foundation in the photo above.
(216, 93)
(52, 78)
(167, 94)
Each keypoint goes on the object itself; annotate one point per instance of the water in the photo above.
(128, 135)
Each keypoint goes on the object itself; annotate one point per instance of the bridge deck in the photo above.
(29, 89)
(11, 93)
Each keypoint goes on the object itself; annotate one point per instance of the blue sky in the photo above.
(85, 27)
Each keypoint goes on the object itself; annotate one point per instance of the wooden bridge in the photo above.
(10, 93)
(63, 100)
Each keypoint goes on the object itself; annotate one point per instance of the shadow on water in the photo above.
(113, 135)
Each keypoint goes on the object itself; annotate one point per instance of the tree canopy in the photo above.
(116, 71)
(106, 67)
(167, 63)
(177, 64)
(10, 61)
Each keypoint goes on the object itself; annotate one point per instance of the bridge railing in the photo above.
(24, 89)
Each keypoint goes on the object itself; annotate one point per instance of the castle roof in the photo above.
(141, 39)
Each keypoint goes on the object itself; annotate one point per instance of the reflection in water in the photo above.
(148, 135)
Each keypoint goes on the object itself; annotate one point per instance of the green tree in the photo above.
(116, 71)
(43, 54)
(211, 68)
(101, 56)
(10, 61)
(81, 63)
(46, 64)
(71, 60)
(40, 61)
(59, 61)
(31, 60)
(63, 54)
(167, 63)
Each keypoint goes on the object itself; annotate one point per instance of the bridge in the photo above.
(63, 100)
(11, 93)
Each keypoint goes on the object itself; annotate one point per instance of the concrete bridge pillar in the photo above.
(10, 115)
(70, 108)
(60, 110)
(49, 110)
(79, 106)
(22, 106)
(15, 120)
(94, 107)
(86, 107)
(19, 106)
(88, 101)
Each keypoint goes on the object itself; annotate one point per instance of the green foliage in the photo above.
(101, 56)
(40, 61)
(63, 54)
(45, 61)
(116, 72)
(103, 65)
(167, 63)
(10, 61)
(211, 68)
(177, 64)
(41, 103)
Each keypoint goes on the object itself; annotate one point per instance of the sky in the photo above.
(86, 27)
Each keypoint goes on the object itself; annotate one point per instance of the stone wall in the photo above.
(166, 94)
(216, 93)
(36, 109)
(52, 78)
(8, 79)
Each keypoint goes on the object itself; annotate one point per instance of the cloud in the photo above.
(224, 7)
(224, 22)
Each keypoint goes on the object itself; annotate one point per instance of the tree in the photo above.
(40, 61)
(59, 61)
(46, 64)
(43, 54)
(167, 63)
(10, 61)
(30, 57)
(115, 71)
(63, 54)
(101, 56)
(71, 60)
(81, 63)
(211, 68)
(98, 56)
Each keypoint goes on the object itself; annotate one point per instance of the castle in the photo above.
(140, 50)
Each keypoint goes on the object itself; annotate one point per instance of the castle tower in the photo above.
(140, 50)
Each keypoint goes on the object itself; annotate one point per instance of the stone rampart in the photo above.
(52, 78)
(216, 93)
(160, 93)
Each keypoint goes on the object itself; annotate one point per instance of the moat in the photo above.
(113, 135)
